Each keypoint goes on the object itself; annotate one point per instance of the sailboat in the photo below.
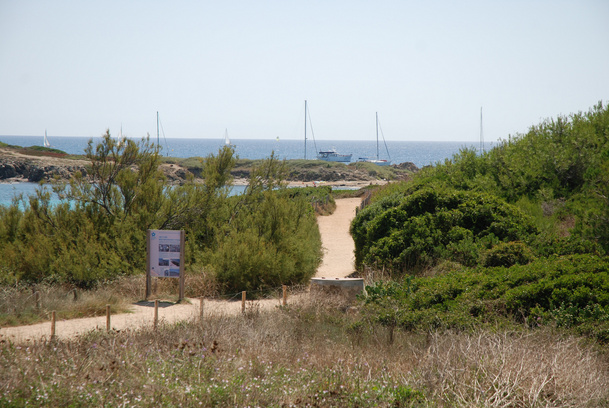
(226, 139)
(481, 133)
(377, 161)
(46, 140)
(326, 155)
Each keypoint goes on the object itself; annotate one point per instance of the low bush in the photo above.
(508, 254)
(569, 291)
(423, 228)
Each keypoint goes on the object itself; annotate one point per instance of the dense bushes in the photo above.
(97, 231)
(556, 174)
(570, 291)
(519, 233)
(422, 228)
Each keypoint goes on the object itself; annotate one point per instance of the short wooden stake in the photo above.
(243, 302)
(108, 326)
(285, 294)
(53, 318)
(201, 309)
(156, 313)
(37, 296)
(182, 266)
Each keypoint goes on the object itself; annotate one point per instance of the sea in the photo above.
(418, 152)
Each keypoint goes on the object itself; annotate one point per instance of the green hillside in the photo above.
(532, 206)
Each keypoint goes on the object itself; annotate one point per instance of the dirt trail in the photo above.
(338, 245)
(337, 262)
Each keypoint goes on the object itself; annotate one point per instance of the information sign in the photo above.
(165, 254)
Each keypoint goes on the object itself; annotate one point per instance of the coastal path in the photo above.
(337, 263)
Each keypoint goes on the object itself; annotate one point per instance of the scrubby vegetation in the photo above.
(489, 285)
(265, 237)
(519, 234)
(308, 354)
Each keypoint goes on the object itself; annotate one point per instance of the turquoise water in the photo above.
(10, 190)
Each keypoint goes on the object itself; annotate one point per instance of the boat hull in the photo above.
(334, 157)
(377, 162)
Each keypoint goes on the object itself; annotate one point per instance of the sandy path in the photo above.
(339, 258)
(337, 262)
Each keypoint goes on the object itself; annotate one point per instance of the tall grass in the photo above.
(307, 354)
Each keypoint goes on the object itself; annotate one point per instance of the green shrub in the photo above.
(508, 254)
(275, 243)
(428, 226)
(569, 291)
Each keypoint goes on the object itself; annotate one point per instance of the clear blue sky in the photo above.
(77, 68)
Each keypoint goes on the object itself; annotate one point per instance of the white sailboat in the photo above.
(46, 140)
(378, 161)
(226, 139)
(481, 133)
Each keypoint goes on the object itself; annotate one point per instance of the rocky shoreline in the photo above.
(16, 167)
(20, 167)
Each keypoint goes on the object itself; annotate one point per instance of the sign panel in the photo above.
(165, 254)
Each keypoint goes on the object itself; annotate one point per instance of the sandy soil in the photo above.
(337, 262)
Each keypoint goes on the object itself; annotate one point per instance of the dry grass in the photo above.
(537, 369)
(310, 353)
(18, 304)
(21, 305)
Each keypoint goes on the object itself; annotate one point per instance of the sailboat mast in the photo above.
(481, 133)
(305, 130)
(377, 135)
(157, 128)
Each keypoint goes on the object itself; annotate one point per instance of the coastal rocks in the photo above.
(176, 174)
(35, 171)
(410, 166)
(8, 171)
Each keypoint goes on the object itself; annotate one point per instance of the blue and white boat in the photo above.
(333, 156)
(326, 155)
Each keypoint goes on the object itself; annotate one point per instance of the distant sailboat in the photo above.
(378, 161)
(46, 140)
(120, 137)
(226, 139)
(481, 133)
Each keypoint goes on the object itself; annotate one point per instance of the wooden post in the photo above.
(243, 302)
(148, 279)
(285, 294)
(182, 259)
(201, 300)
(53, 318)
(108, 325)
(156, 313)
(37, 296)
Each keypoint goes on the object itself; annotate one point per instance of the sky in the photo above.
(77, 68)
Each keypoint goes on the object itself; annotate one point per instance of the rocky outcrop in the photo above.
(35, 171)
(410, 166)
